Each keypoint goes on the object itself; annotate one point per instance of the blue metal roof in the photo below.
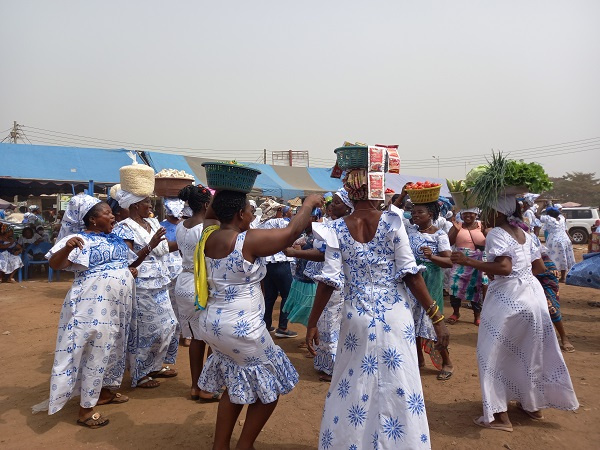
(69, 164)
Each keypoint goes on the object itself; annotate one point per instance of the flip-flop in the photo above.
(444, 375)
(165, 372)
(567, 348)
(529, 413)
(476, 322)
(144, 381)
(117, 398)
(215, 398)
(93, 418)
(452, 319)
(492, 426)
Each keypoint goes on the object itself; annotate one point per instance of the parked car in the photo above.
(580, 221)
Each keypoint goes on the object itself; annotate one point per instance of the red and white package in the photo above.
(376, 185)
(377, 157)
(393, 158)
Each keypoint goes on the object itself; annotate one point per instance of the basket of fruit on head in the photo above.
(423, 191)
(230, 176)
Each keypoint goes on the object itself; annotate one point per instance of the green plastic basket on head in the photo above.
(352, 157)
(222, 176)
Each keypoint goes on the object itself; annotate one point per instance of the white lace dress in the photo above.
(94, 322)
(153, 341)
(517, 350)
(560, 248)
(375, 399)
(244, 357)
(188, 317)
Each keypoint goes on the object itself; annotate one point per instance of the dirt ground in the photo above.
(166, 418)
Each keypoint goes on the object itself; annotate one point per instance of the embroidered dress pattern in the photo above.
(94, 323)
(375, 356)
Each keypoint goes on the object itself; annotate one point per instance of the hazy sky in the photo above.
(439, 78)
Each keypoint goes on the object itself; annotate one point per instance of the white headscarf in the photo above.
(474, 210)
(126, 199)
(559, 206)
(343, 195)
(187, 212)
(77, 208)
(506, 204)
(174, 206)
(530, 198)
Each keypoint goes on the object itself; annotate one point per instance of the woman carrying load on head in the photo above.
(188, 234)
(431, 248)
(467, 283)
(375, 399)
(560, 248)
(95, 318)
(230, 267)
(516, 359)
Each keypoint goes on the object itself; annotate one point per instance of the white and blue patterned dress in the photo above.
(331, 317)
(153, 341)
(244, 357)
(517, 351)
(560, 248)
(94, 321)
(375, 399)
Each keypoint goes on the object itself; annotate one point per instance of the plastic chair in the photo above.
(43, 248)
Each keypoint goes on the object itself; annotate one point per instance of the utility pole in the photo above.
(438, 164)
(16, 134)
(290, 158)
(264, 156)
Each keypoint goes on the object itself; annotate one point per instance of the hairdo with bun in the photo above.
(196, 196)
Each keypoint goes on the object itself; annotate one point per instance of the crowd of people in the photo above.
(368, 280)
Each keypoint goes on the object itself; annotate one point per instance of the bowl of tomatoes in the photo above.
(423, 192)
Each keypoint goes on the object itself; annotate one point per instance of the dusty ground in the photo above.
(165, 418)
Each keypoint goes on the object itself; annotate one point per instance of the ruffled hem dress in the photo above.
(517, 351)
(9, 262)
(328, 324)
(244, 357)
(375, 398)
(153, 341)
(95, 320)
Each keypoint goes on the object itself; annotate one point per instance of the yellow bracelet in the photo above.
(439, 320)
(429, 309)
(435, 311)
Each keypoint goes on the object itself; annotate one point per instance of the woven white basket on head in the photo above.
(137, 178)
(113, 190)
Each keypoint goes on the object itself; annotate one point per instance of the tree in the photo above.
(576, 187)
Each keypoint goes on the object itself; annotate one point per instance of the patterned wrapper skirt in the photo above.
(466, 283)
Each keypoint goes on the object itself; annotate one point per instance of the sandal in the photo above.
(477, 322)
(148, 383)
(493, 425)
(96, 420)
(165, 372)
(117, 398)
(444, 375)
(214, 398)
(453, 319)
(532, 415)
(567, 348)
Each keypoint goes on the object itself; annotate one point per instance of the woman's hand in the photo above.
(459, 258)
(312, 335)
(134, 272)
(313, 201)
(290, 252)
(427, 253)
(443, 336)
(158, 237)
(75, 242)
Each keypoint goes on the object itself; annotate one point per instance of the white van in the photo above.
(580, 221)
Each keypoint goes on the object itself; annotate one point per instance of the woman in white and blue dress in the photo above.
(375, 399)
(153, 340)
(518, 355)
(329, 322)
(560, 248)
(188, 234)
(94, 325)
(254, 370)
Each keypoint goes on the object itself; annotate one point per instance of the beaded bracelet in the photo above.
(439, 320)
(149, 248)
